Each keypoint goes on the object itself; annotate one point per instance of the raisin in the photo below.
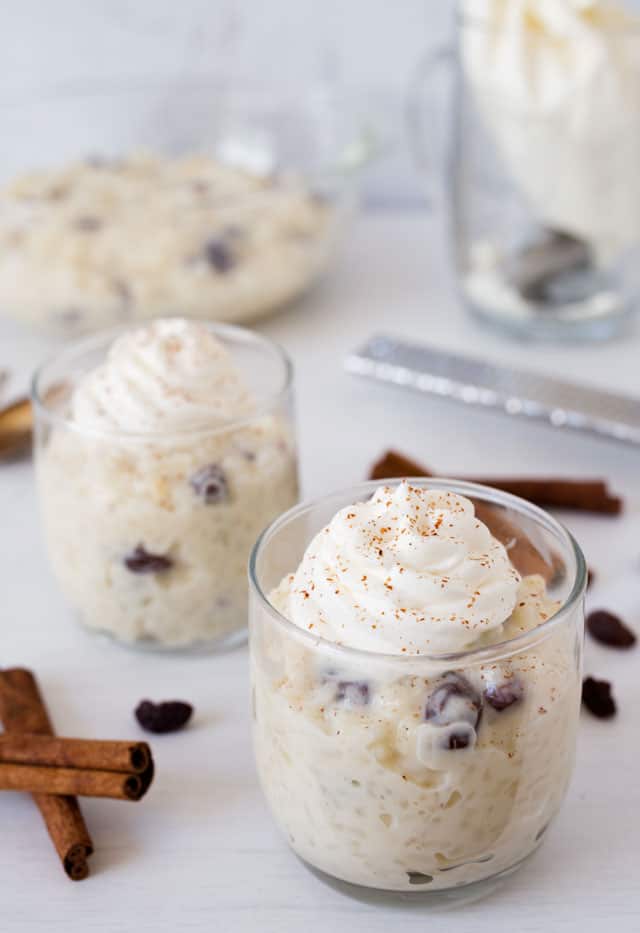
(142, 561)
(456, 736)
(461, 735)
(122, 290)
(210, 483)
(596, 696)
(87, 223)
(70, 317)
(353, 693)
(503, 695)
(453, 701)
(219, 255)
(609, 629)
(163, 717)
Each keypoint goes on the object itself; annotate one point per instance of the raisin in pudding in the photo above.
(415, 691)
(172, 450)
(100, 243)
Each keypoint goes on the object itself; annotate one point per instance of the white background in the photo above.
(371, 47)
(365, 41)
(201, 852)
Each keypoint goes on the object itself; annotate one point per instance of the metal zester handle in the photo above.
(561, 404)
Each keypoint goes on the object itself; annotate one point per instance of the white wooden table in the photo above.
(201, 852)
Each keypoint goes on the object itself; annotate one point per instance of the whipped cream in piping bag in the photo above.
(411, 570)
(557, 83)
(172, 375)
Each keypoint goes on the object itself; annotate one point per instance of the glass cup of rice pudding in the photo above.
(161, 453)
(416, 655)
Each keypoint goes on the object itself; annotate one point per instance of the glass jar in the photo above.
(149, 533)
(541, 191)
(364, 788)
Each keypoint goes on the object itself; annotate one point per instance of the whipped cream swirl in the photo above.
(170, 376)
(411, 570)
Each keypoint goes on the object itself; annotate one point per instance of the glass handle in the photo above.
(425, 118)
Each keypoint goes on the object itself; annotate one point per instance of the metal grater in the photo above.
(561, 404)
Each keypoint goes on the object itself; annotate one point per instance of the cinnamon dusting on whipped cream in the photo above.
(411, 570)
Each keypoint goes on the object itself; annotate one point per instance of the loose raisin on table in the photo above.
(168, 716)
(609, 629)
(596, 696)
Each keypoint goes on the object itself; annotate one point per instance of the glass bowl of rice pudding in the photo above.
(161, 453)
(416, 654)
(226, 199)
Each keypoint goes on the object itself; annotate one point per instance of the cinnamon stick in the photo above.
(83, 782)
(524, 556)
(17, 420)
(587, 495)
(579, 495)
(16, 424)
(91, 754)
(22, 710)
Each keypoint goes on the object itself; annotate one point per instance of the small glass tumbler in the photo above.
(368, 792)
(149, 533)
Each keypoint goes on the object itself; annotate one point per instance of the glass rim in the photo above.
(229, 332)
(627, 27)
(505, 648)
